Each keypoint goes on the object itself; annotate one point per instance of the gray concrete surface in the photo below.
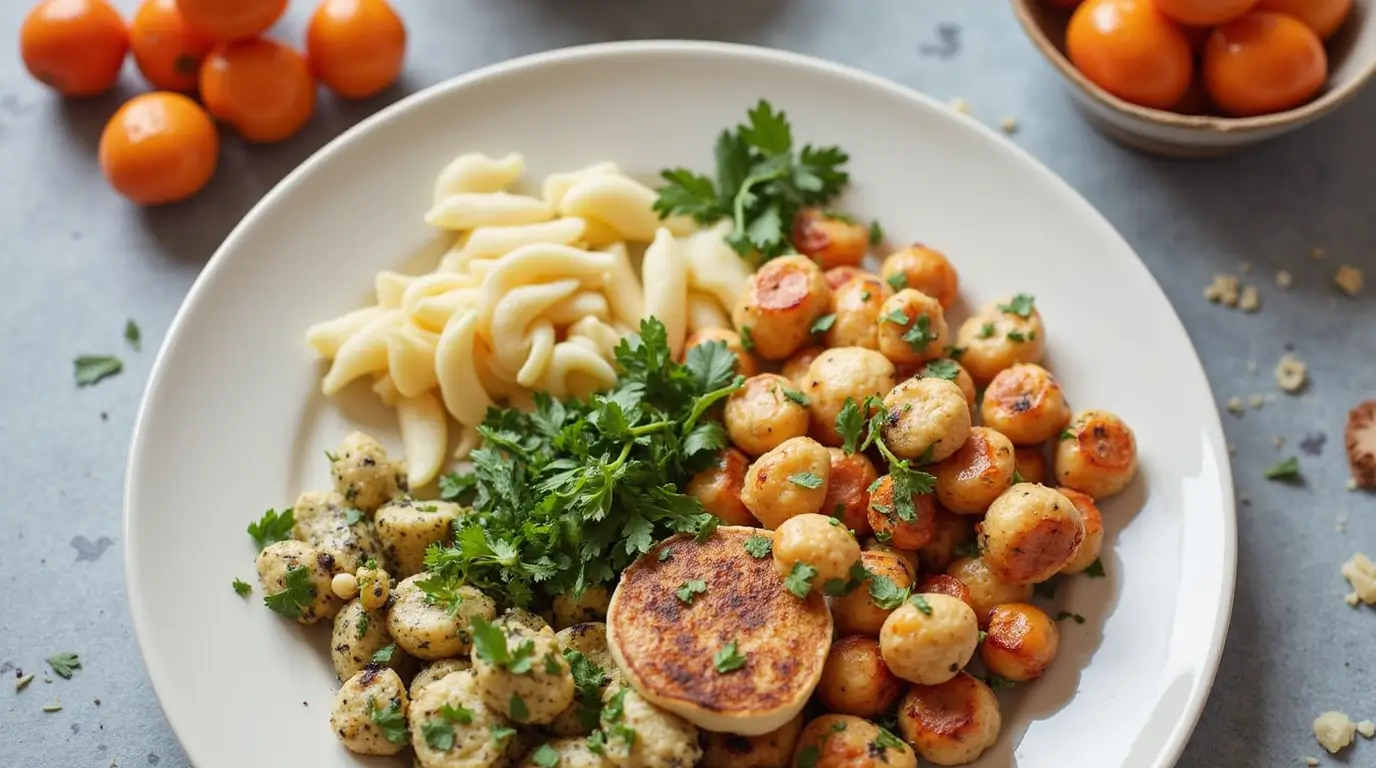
(77, 261)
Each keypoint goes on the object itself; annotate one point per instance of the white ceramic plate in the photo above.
(233, 422)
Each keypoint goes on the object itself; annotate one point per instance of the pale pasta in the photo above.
(534, 294)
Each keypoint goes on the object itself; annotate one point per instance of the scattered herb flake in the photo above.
(552, 666)
(920, 603)
(986, 331)
(133, 335)
(690, 589)
(799, 579)
(665, 553)
(1017, 477)
(1017, 336)
(392, 721)
(354, 516)
(242, 588)
(886, 740)
(1047, 589)
(941, 369)
(384, 655)
(272, 527)
(823, 323)
(490, 644)
(297, 594)
(1287, 470)
(809, 756)
(500, 733)
(998, 683)
(885, 593)
(519, 711)
(896, 316)
(1063, 615)
(759, 546)
(1095, 569)
(1020, 305)
(361, 627)
(920, 334)
(545, 756)
(91, 369)
(64, 664)
(1067, 434)
(747, 340)
(728, 659)
(897, 281)
(808, 480)
(797, 397)
(876, 233)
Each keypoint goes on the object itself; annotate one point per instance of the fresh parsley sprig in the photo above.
(761, 184)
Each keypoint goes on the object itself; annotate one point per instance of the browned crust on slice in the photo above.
(1361, 444)
(666, 648)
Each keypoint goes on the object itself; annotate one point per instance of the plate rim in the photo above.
(1194, 707)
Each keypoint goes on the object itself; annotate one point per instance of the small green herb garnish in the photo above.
(865, 295)
(886, 740)
(896, 316)
(1287, 469)
(361, 627)
(456, 487)
(728, 659)
(1017, 336)
(439, 732)
(1020, 305)
(897, 281)
(384, 655)
(489, 643)
(1095, 569)
(1063, 615)
(747, 340)
(761, 184)
(941, 369)
(519, 711)
(842, 587)
(91, 369)
(985, 331)
(242, 588)
(64, 664)
(998, 683)
(885, 593)
(545, 756)
(133, 335)
(1047, 589)
(587, 683)
(799, 579)
(797, 397)
(808, 480)
(690, 589)
(967, 549)
(876, 232)
(823, 323)
(391, 720)
(920, 603)
(665, 553)
(552, 665)
(920, 334)
(809, 756)
(500, 733)
(759, 546)
(272, 527)
(1017, 477)
(1067, 434)
(298, 593)
(353, 516)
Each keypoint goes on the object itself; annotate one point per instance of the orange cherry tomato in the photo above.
(1204, 13)
(1131, 50)
(1264, 62)
(231, 19)
(261, 87)
(1322, 16)
(167, 50)
(356, 47)
(159, 148)
(75, 47)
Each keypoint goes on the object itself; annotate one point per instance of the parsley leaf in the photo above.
(759, 546)
(797, 397)
(519, 711)
(895, 316)
(886, 740)
(1287, 470)
(728, 659)
(920, 603)
(809, 756)
(907, 482)
(1067, 434)
(809, 480)
(242, 588)
(747, 341)
(761, 184)
(897, 281)
(361, 628)
(64, 664)
(133, 335)
(799, 579)
(545, 756)
(823, 323)
(439, 732)
(1020, 305)
(986, 331)
(920, 334)
(1096, 569)
(941, 369)
(1047, 589)
(384, 654)
(454, 486)
(1017, 336)
(91, 369)
(490, 645)
(272, 527)
(353, 516)
(1017, 477)
(689, 590)
(392, 722)
(885, 593)
(969, 548)
(1063, 615)
(298, 593)
(998, 683)
(876, 234)
(587, 682)
(849, 424)
(500, 733)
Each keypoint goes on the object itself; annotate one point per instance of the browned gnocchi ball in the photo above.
(970, 479)
(898, 526)
(857, 613)
(772, 750)
(788, 481)
(1029, 533)
(1021, 643)
(1002, 333)
(839, 276)
(764, 412)
(845, 741)
(817, 542)
(986, 589)
(952, 723)
(775, 313)
(1096, 454)
(908, 556)
(912, 327)
(719, 488)
(924, 415)
(855, 313)
(929, 638)
(830, 240)
(1093, 542)
(950, 534)
(943, 584)
(855, 679)
(943, 368)
(1025, 403)
(795, 368)
(840, 374)
(848, 490)
(745, 362)
(1030, 463)
(926, 269)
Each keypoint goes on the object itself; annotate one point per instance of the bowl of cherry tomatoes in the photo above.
(1195, 78)
(208, 63)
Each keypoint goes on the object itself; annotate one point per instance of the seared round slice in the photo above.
(708, 632)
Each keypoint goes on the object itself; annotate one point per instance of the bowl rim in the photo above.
(1324, 104)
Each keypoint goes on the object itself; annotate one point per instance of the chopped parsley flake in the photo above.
(489, 643)
(747, 341)
(690, 589)
(823, 323)
(986, 331)
(941, 369)
(876, 232)
(799, 579)
(885, 593)
(384, 654)
(242, 588)
(392, 722)
(897, 317)
(809, 480)
(897, 281)
(91, 369)
(297, 595)
(1287, 470)
(64, 664)
(759, 546)
(1095, 569)
(1020, 305)
(133, 335)
(519, 711)
(920, 334)
(545, 756)
(272, 527)
(998, 683)
(728, 659)
(797, 397)
(920, 603)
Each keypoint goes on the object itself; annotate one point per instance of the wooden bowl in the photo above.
(1351, 63)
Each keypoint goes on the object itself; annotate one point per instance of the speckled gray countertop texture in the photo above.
(77, 261)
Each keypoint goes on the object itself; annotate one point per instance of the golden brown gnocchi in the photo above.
(1096, 454)
(795, 367)
(943, 368)
(856, 308)
(353, 719)
(1025, 403)
(430, 630)
(1021, 643)
(772, 750)
(1030, 533)
(764, 412)
(929, 638)
(970, 479)
(774, 315)
(363, 474)
(407, 527)
(1093, 541)
(719, 488)
(910, 531)
(856, 681)
(841, 374)
(912, 327)
(531, 696)
(843, 741)
(986, 589)
(950, 534)
(818, 542)
(848, 490)
(1003, 333)
(857, 613)
(280, 563)
(357, 635)
(787, 481)
(952, 723)
(1030, 463)
(926, 418)
(945, 584)
(839, 276)
(829, 240)
(925, 269)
